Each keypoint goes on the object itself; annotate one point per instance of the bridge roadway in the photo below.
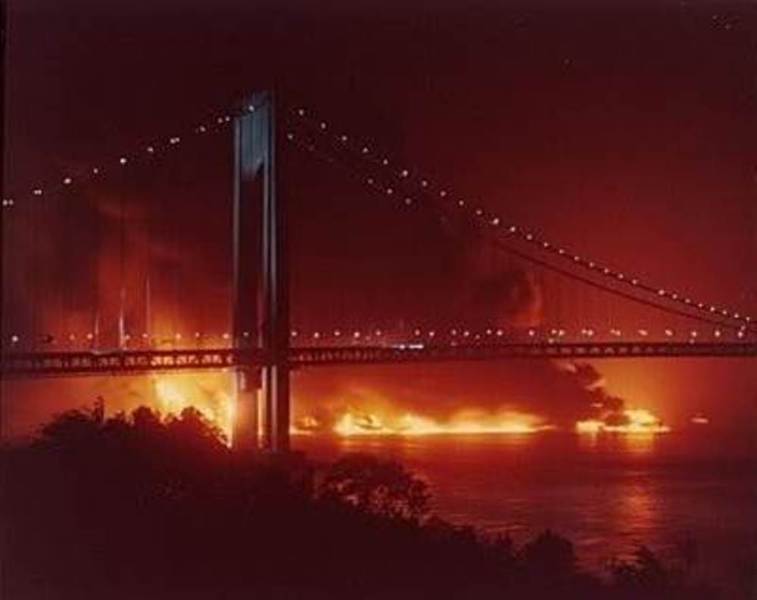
(40, 364)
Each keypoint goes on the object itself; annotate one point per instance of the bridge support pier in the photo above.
(261, 286)
(246, 409)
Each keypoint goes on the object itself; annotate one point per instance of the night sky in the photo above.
(626, 132)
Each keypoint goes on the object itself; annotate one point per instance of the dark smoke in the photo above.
(511, 297)
(498, 291)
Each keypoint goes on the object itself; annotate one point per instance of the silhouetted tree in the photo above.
(549, 553)
(644, 573)
(71, 429)
(376, 486)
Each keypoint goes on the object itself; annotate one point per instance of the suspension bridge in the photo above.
(56, 322)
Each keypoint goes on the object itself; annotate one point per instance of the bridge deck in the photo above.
(36, 364)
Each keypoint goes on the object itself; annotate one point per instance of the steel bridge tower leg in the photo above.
(261, 289)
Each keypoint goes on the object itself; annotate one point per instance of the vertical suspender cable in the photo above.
(147, 331)
(34, 269)
(56, 258)
(95, 332)
(174, 275)
(122, 274)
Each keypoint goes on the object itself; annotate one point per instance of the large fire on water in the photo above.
(630, 420)
(174, 393)
(408, 424)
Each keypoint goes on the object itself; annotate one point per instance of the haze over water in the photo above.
(607, 493)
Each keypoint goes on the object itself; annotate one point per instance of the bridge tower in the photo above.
(260, 281)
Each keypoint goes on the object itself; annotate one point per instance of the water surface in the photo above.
(608, 493)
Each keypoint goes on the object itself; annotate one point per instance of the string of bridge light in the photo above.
(313, 148)
(98, 170)
(500, 333)
(404, 176)
(454, 334)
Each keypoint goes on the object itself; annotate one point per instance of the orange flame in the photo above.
(408, 424)
(206, 393)
(174, 393)
(637, 420)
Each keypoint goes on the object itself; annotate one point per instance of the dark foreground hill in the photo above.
(141, 508)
